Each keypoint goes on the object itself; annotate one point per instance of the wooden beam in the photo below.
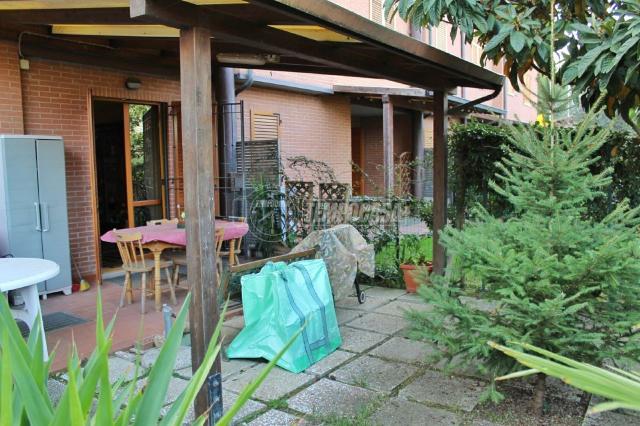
(198, 139)
(67, 16)
(440, 126)
(230, 28)
(111, 30)
(387, 144)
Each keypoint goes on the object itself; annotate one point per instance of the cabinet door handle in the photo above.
(38, 223)
(45, 211)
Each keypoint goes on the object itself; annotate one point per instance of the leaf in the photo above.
(517, 41)
(6, 384)
(498, 38)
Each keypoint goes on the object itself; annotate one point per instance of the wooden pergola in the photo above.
(190, 39)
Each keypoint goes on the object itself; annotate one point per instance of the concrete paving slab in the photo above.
(401, 412)
(327, 397)
(250, 407)
(380, 323)
(234, 366)
(399, 308)
(384, 292)
(329, 362)
(185, 373)
(275, 418)
(235, 322)
(278, 383)
(55, 389)
(228, 334)
(438, 388)
(346, 315)
(359, 340)
(480, 422)
(183, 358)
(411, 297)
(404, 350)
(119, 367)
(374, 373)
(175, 388)
(370, 304)
(610, 418)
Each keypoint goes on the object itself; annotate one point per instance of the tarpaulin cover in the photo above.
(345, 252)
(277, 302)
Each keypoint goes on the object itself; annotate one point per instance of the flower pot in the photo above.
(408, 272)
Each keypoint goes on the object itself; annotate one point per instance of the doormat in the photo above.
(54, 321)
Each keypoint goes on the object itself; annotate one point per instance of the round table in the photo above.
(23, 275)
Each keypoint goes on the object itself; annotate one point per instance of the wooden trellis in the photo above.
(333, 205)
(299, 206)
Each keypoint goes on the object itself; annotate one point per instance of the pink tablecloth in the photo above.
(170, 233)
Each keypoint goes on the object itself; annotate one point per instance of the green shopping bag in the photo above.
(277, 302)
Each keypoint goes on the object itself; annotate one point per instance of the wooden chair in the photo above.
(134, 262)
(161, 222)
(235, 245)
(180, 259)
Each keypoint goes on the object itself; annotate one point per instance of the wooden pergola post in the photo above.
(197, 145)
(387, 144)
(440, 126)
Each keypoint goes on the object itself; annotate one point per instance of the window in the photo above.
(476, 53)
(265, 126)
(439, 36)
(376, 11)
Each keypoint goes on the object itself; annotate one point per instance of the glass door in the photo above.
(143, 163)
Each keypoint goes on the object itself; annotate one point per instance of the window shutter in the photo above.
(375, 7)
(265, 126)
(440, 41)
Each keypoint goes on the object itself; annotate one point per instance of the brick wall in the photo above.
(56, 100)
(10, 90)
(318, 127)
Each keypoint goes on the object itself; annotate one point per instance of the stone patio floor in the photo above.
(377, 376)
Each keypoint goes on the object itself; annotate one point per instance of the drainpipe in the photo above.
(471, 104)
(247, 83)
(463, 54)
(227, 134)
(418, 133)
(505, 99)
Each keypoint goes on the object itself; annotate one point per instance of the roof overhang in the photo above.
(313, 36)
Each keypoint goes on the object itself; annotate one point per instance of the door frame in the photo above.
(93, 164)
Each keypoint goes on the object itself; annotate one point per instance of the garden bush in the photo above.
(561, 280)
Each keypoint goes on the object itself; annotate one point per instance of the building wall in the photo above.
(318, 127)
(10, 90)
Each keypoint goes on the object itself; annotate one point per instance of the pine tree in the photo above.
(560, 280)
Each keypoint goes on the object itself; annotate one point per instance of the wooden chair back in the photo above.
(162, 222)
(219, 240)
(130, 248)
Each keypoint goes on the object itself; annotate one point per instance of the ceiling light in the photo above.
(246, 59)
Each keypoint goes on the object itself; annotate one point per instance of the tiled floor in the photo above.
(130, 326)
(377, 377)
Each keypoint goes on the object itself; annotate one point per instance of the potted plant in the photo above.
(414, 256)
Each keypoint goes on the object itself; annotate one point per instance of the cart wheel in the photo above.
(361, 297)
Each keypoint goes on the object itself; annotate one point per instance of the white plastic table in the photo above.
(24, 275)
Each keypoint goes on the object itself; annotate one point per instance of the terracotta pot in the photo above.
(408, 273)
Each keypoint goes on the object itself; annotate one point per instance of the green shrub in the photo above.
(24, 398)
(561, 280)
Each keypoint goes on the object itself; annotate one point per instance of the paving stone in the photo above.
(371, 303)
(183, 358)
(250, 407)
(235, 322)
(400, 308)
(278, 383)
(228, 334)
(326, 397)
(374, 373)
(401, 412)
(129, 356)
(119, 367)
(329, 362)
(228, 399)
(175, 388)
(234, 366)
(185, 373)
(435, 387)
(275, 418)
(481, 422)
(479, 304)
(346, 315)
(55, 389)
(358, 340)
(411, 298)
(385, 324)
(610, 418)
(405, 350)
(384, 292)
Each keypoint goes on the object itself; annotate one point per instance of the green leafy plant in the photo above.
(598, 39)
(560, 279)
(23, 380)
(621, 388)
(413, 250)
